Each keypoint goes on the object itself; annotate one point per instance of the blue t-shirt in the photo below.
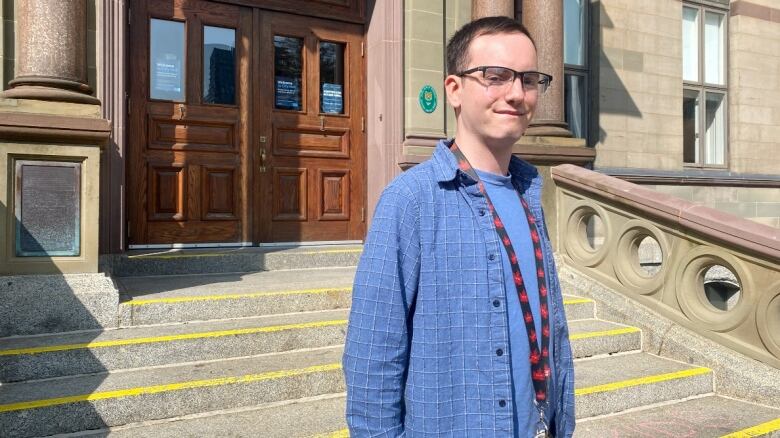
(506, 201)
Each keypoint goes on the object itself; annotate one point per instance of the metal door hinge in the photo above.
(128, 230)
(362, 49)
(362, 214)
(129, 16)
(363, 124)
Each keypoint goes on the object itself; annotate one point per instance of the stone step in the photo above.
(40, 357)
(592, 337)
(705, 417)
(102, 400)
(316, 417)
(604, 385)
(169, 299)
(221, 260)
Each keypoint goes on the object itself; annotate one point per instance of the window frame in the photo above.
(703, 87)
(236, 98)
(582, 71)
(186, 52)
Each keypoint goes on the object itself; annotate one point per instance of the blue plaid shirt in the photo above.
(420, 357)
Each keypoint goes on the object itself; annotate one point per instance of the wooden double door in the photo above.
(246, 125)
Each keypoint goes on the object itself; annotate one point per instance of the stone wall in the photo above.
(636, 51)
(427, 26)
(757, 204)
(754, 93)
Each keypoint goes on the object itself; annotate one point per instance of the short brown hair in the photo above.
(458, 46)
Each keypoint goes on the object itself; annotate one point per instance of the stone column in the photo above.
(544, 19)
(51, 55)
(492, 8)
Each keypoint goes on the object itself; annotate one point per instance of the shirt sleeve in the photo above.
(376, 354)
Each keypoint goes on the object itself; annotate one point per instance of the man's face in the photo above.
(494, 115)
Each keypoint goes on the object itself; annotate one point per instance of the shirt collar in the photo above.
(446, 166)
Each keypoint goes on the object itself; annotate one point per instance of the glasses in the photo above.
(500, 78)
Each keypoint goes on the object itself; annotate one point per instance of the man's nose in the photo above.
(516, 91)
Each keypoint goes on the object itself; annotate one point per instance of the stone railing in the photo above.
(711, 272)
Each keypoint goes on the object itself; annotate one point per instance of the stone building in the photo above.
(201, 174)
(678, 96)
(681, 97)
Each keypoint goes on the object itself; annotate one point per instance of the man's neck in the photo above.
(487, 158)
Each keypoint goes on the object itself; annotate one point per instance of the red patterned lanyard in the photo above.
(540, 361)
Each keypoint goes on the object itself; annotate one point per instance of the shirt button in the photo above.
(502, 403)
(492, 257)
(482, 212)
(496, 303)
(499, 352)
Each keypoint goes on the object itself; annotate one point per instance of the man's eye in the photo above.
(530, 80)
(494, 79)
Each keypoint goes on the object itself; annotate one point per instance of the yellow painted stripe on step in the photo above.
(169, 338)
(615, 332)
(218, 254)
(343, 433)
(760, 430)
(577, 301)
(144, 390)
(330, 251)
(642, 381)
(192, 298)
(176, 256)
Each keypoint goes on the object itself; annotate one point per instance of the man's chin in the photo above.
(508, 138)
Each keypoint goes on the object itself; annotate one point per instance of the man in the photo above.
(457, 325)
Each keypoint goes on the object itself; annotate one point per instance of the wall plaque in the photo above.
(48, 208)
(428, 99)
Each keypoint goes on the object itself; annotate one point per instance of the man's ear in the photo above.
(452, 86)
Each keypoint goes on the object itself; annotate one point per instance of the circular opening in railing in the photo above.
(649, 256)
(587, 233)
(714, 288)
(592, 231)
(721, 287)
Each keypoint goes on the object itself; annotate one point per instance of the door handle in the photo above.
(261, 168)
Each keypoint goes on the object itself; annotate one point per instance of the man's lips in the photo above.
(510, 113)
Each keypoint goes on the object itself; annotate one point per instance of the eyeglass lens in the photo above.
(502, 76)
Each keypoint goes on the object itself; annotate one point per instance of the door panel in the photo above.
(311, 145)
(189, 123)
(290, 185)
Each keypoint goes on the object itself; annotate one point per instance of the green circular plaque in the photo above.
(428, 99)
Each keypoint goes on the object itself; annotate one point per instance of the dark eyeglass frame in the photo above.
(545, 79)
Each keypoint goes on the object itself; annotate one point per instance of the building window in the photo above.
(705, 99)
(575, 58)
